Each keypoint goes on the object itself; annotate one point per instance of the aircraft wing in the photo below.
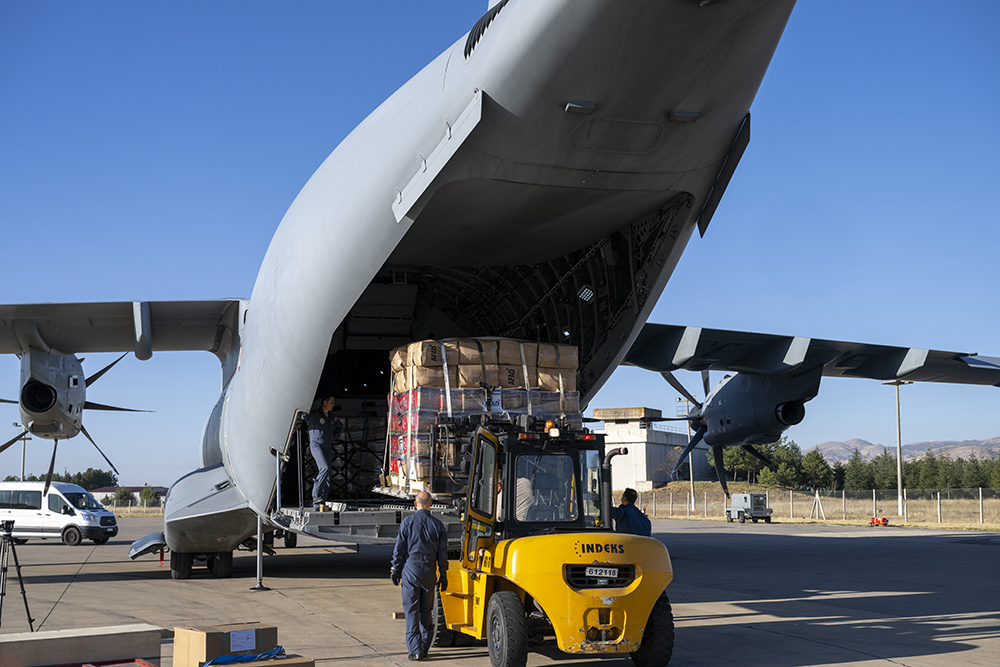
(665, 347)
(139, 326)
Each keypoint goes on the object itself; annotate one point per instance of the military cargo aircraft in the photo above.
(529, 182)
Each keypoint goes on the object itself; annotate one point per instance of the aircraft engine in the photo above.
(743, 410)
(53, 394)
(53, 397)
(756, 409)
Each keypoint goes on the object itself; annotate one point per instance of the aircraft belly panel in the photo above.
(205, 512)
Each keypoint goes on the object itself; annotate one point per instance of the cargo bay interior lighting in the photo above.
(586, 293)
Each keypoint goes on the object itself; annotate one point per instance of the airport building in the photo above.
(653, 448)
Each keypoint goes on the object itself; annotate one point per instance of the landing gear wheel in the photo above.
(507, 630)
(729, 516)
(742, 518)
(658, 637)
(441, 636)
(291, 539)
(220, 564)
(180, 565)
(101, 540)
(71, 536)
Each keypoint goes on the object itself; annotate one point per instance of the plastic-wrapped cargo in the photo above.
(437, 381)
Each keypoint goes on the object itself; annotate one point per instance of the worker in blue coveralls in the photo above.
(324, 428)
(629, 518)
(421, 552)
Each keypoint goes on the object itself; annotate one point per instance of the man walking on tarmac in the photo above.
(421, 550)
(629, 518)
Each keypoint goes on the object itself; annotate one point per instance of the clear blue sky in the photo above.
(148, 151)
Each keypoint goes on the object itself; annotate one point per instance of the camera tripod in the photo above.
(7, 545)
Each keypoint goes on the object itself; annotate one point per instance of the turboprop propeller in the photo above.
(53, 398)
(705, 414)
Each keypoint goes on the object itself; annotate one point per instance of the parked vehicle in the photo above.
(751, 506)
(68, 512)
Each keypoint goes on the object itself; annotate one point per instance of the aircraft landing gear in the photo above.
(180, 565)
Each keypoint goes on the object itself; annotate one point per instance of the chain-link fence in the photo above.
(920, 506)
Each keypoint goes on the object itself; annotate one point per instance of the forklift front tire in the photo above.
(658, 638)
(741, 517)
(507, 630)
(729, 516)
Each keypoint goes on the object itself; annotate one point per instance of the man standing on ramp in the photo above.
(421, 544)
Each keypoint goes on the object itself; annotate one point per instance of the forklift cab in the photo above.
(543, 485)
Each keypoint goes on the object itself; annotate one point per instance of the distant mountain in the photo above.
(842, 451)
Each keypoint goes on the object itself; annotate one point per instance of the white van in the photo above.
(68, 513)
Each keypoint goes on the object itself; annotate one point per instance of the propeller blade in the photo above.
(753, 450)
(7, 400)
(706, 383)
(97, 376)
(679, 388)
(720, 469)
(695, 439)
(83, 430)
(52, 465)
(7, 444)
(89, 405)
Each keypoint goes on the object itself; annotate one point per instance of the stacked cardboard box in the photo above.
(471, 376)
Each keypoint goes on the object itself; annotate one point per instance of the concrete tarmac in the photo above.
(778, 595)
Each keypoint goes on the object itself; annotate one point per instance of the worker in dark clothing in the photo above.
(421, 552)
(324, 428)
(629, 518)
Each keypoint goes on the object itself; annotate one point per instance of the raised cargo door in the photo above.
(480, 513)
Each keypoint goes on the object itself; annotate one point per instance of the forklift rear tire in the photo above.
(658, 638)
(220, 564)
(507, 630)
(291, 539)
(441, 636)
(729, 516)
(741, 517)
(180, 565)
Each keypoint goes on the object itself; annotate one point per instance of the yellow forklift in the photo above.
(539, 558)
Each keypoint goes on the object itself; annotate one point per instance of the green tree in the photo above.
(90, 480)
(858, 473)
(929, 468)
(785, 475)
(995, 475)
(816, 472)
(123, 496)
(883, 469)
(975, 472)
(838, 476)
(148, 497)
(736, 460)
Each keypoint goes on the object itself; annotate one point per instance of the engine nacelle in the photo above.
(53, 394)
(756, 409)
